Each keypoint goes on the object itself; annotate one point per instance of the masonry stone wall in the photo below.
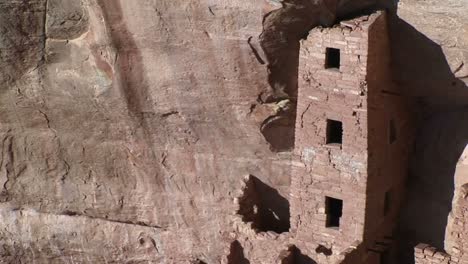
(425, 254)
(337, 171)
(367, 171)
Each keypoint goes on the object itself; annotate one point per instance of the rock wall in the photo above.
(456, 240)
(134, 117)
(432, 36)
(425, 254)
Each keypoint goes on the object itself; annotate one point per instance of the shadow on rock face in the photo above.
(22, 39)
(421, 69)
(420, 66)
(278, 131)
(264, 206)
(66, 19)
(295, 256)
(236, 254)
(283, 28)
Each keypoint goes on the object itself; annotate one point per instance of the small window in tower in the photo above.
(387, 202)
(392, 133)
(334, 211)
(332, 58)
(334, 132)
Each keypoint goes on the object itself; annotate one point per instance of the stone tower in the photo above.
(353, 132)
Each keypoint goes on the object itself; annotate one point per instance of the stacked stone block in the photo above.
(425, 254)
(331, 170)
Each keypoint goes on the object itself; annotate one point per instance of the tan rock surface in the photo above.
(130, 119)
(444, 23)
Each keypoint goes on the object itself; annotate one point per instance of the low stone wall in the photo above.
(425, 254)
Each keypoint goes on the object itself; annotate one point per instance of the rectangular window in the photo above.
(334, 132)
(387, 202)
(332, 58)
(334, 211)
(392, 133)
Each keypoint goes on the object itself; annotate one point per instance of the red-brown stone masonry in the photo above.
(363, 97)
(456, 239)
(334, 171)
(425, 254)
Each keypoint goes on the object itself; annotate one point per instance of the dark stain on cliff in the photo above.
(129, 73)
(134, 86)
(22, 39)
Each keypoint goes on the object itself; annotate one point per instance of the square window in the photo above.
(334, 132)
(334, 211)
(332, 58)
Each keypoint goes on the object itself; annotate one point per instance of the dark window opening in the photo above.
(332, 58)
(334, 132)
(264, 207)
(387, 202)
(392, 133)
(334, 211)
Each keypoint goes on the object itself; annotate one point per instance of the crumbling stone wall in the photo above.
(425, 254)
(330, 170)
(456, 240)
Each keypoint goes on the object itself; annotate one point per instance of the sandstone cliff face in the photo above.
(128, 126)
(446, 25)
